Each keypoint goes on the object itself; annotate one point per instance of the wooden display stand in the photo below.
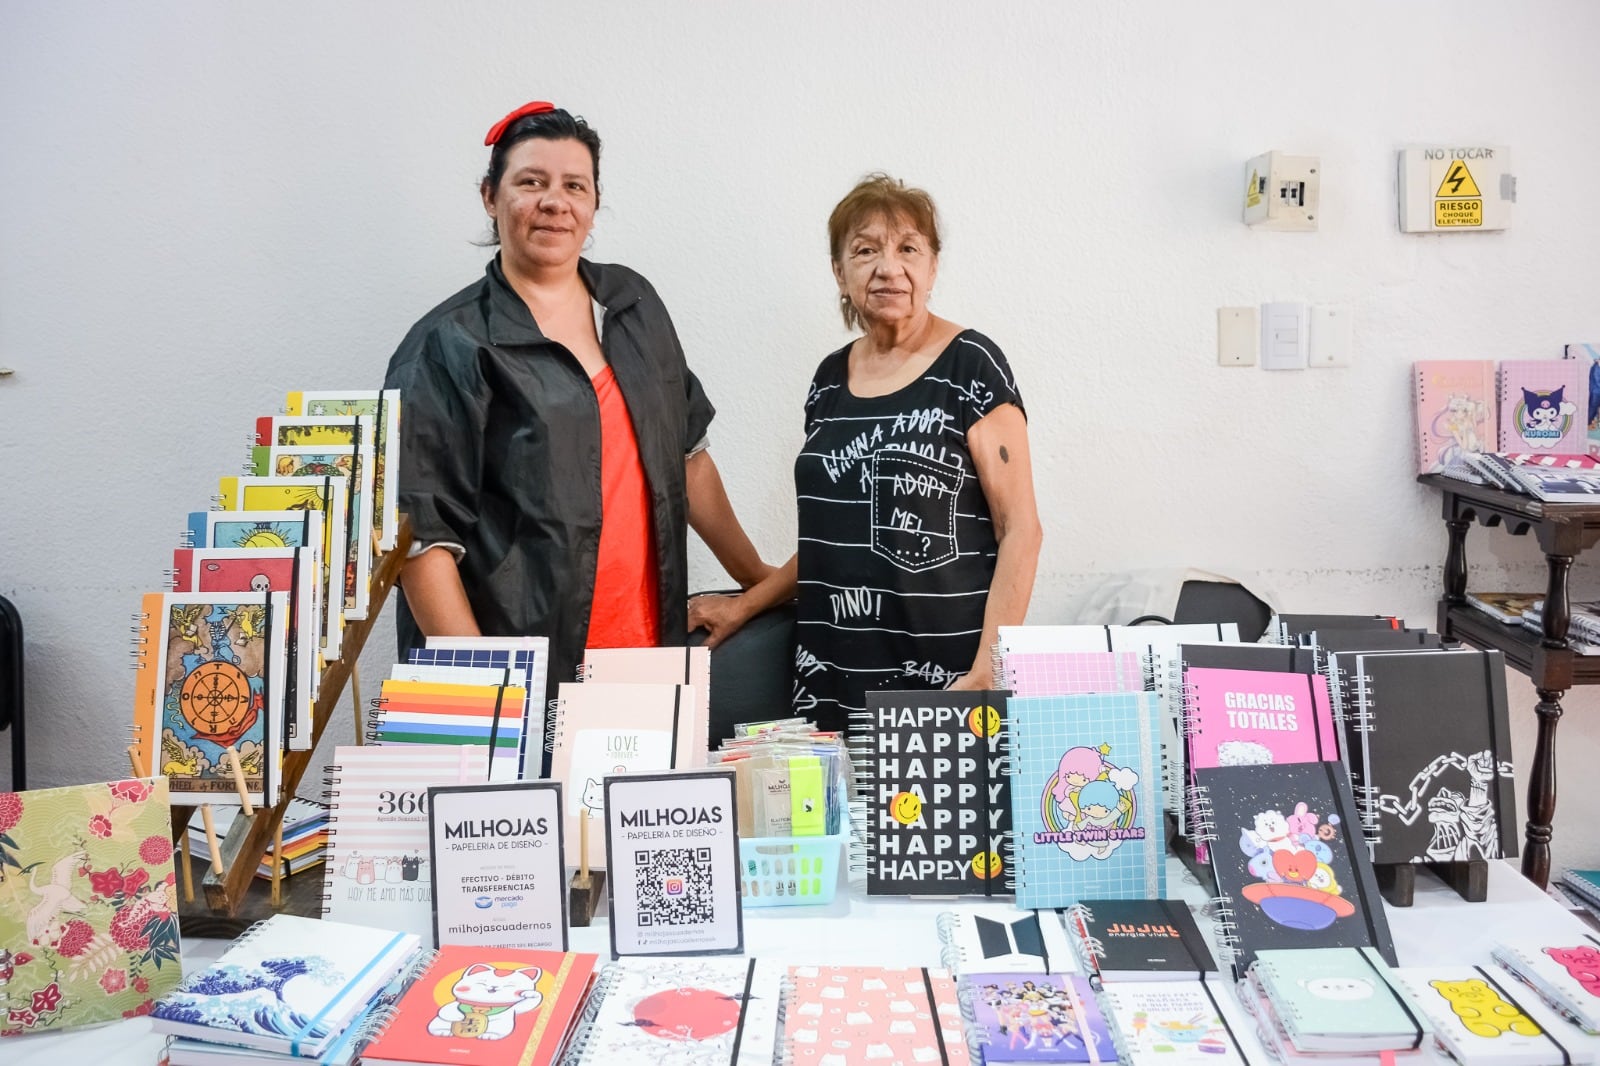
(1397, 881)
(248, 838)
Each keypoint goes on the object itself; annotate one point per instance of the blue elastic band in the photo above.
(294, 1043)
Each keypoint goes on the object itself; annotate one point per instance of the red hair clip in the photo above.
(498, 130)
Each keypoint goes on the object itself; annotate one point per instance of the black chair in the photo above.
(11, 689)
(752, 671)
(1217, 601)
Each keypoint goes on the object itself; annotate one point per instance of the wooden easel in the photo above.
(1397, 881)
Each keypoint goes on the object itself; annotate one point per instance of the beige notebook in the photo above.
(669, 666)
(600, 728)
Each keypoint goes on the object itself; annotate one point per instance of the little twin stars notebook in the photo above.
(719, 1012)
(1455, 410)
(938, 810)
(841, 1015)
(88, 904)
(1086, 798)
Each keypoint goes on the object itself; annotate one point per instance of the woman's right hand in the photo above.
(720, 616)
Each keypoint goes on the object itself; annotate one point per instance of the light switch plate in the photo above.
(1283, 336)
(1237, 336)
(1330, 337)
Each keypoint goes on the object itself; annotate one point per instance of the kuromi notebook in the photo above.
(1544, 406)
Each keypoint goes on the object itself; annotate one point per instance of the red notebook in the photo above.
(497, 1006)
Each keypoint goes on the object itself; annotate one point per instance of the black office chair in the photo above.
(11, 688)
(1217, 601)
(752, 671)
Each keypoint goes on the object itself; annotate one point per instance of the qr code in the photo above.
(674, 886)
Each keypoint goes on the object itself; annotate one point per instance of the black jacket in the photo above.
(500, 453)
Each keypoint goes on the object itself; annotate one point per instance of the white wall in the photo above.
(202, 205)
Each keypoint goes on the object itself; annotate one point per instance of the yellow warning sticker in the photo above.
(1252, 192)
(1462, 211)
(1458, 181)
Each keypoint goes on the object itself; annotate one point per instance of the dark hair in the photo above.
(879, 195)
(557, 125)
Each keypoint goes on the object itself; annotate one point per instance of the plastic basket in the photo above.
(789, 871)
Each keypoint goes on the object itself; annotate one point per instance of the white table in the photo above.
(855, 930)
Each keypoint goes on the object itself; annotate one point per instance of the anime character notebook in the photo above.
(847, 1014)
(938, 804)
(1430, 755)
(1455, 410)
(720, 1012)
(212, 674)
(88, 904)
(1086, 798)
(1034, 1017)
(1544, 406)
(1289, 860)
(384, 408)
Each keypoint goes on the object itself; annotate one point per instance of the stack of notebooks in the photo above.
(290, 989)
(1313, 1004)
(1583, 627)
(1585, 886)
(1565, 974)
(305, 837)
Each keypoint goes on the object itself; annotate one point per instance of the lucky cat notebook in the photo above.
(487, 1007)
(1455, 410)
(719, 1012)
(838, 1015)
(1544, 406)
(1086, 798)
(88, 904)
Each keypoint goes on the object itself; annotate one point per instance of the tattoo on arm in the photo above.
(1005, 456)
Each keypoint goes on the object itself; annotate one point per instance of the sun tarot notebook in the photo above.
(212, 672)
(355, 466)
(1086, 798)
(272, 529)
(720, 1012)
(384, 407)
(88, 904)
(846, 1014)
(1289, 860)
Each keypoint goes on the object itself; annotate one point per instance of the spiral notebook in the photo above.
(847, 1014)
(529, 662)
(656, 666)
(932, 771)
(1482, 1019)
(1034, 1017)
(1002, 939)
(290, 985)
(212, 674)
(384, 408)
(1290, 863)
(1086, 798)
(421, 712)
(355, 466)
(1170, 1023)
(1139, 940)
(1565, 973)
(719, 1012)
(1333, 650)
(377, 871)
(273, 530)
(1544, 405)
(1340, 1000)
(1061, 673)
(1430, 755)
(1456, 407)
(1286, 628)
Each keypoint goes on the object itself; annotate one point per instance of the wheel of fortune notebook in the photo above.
(88, 904)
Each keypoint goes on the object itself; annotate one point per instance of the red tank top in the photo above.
(627, 595)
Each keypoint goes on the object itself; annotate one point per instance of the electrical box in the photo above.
(1456, 189)
(1282, 192)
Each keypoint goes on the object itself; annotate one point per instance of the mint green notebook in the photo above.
(1340, 999)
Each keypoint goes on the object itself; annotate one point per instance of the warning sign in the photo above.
(1458, 201)
(1252, 192)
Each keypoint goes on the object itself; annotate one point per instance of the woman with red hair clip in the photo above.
(553, 438)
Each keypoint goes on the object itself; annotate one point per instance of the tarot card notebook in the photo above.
(384, 408)
(88, 904)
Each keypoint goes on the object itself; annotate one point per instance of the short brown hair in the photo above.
(876, 195)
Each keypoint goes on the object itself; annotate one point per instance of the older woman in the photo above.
(919, 535)
(553, 437)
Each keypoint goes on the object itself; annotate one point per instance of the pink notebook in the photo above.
(1455, 410)
(1544, 406)
(1256, 717)
(599, 728)
(1063, 673)
(848, 1014)
(661, 666)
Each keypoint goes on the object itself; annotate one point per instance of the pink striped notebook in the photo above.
(1256, 717)
(1065, 673)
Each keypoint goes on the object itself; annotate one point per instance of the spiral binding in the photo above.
(966, 997)
(377, 1021)
(1223, 918)
(950, 954)
(1202, 818)
(578, 1045)
(330, 796)
(555, 726)
(784, 1055)
(1090, 948)
(376, 716)
(139, 641)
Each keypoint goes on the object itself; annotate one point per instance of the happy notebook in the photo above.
(849, 1014)
(1086, 798)
(1544, 406)
(88, 904)
(720, 1012)
(488, 1006)
(1455, 410)
(1034, 1017)
(1291, 868)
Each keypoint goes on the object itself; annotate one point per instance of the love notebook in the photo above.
(1290, 863)
(931, 769)
(1455, 410)
(384, 408)
(600, 728)
(90, 933)
(848, 1014)
(1086, 798)
(656, 666)
(720, 1012)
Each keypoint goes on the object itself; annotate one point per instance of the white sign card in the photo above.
(672, 853)
(498, 876)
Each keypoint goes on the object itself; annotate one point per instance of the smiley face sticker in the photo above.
(986, 864)
(906, 807)
(984, 721)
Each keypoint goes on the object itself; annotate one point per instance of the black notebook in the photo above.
(1430, 754)
(1286, 628)
(931, 771)
(1291, 865)
(1139, 940)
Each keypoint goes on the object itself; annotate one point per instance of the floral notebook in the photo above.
(88, 904)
